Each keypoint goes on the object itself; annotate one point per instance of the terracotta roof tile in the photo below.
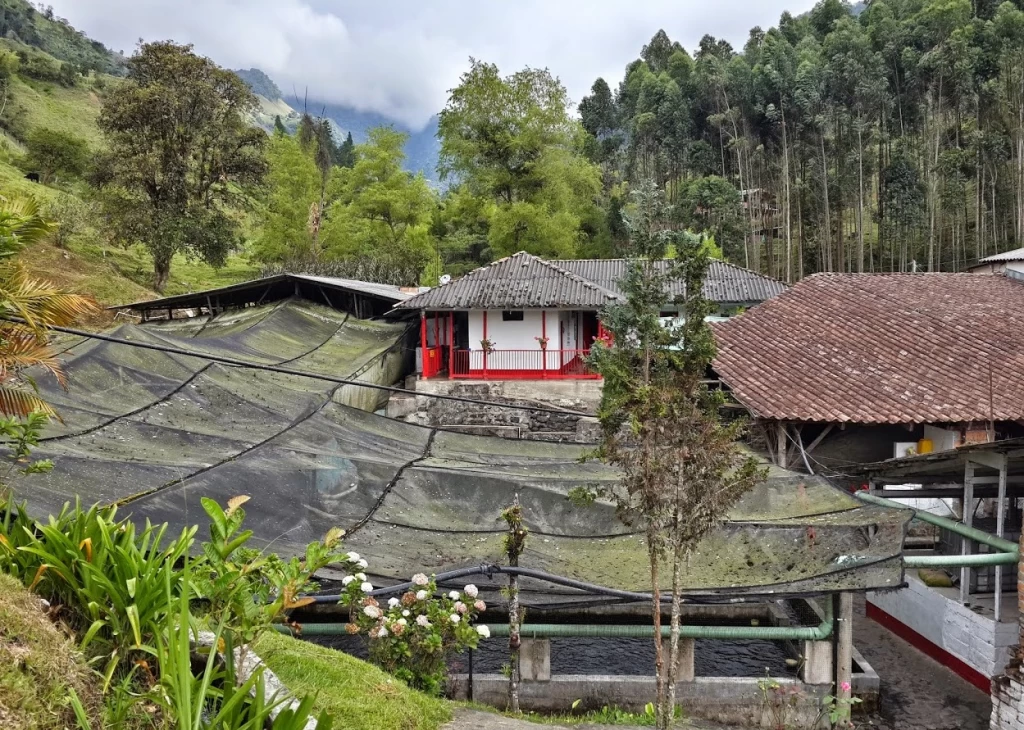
(880, 348)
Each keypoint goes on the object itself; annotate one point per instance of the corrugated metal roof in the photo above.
(524, 281)
(519, 281)
(880, 348)
(387, 291)
(725, 283)
(1016, 254)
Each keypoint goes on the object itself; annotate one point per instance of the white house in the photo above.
(523, 317)
(1007, 262)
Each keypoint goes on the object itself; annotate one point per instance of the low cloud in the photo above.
(399, 57)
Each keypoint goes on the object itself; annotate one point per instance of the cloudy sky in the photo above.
(399, 57)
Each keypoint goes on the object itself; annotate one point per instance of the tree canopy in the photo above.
(181, 152)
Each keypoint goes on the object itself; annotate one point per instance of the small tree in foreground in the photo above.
(682, 469)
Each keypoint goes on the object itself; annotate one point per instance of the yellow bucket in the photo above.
(925, 446)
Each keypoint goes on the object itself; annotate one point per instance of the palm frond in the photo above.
(21, 348)
(19, 403)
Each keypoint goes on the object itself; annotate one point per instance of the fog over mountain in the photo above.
(398, 58)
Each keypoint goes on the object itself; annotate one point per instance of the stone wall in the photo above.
(581, 396)
(1007, 704)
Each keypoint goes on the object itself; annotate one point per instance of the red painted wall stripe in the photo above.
(943, 657)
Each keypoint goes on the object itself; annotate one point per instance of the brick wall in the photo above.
(1007, 689)
(1007, 708)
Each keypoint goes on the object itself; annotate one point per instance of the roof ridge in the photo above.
(571, 275)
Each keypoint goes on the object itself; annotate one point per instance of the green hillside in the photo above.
(20, 21)
(88, 264)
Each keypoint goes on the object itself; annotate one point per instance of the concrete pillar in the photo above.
(781, 443)
(844, 658)
(535, 660)
(684, 661)
(817, 667)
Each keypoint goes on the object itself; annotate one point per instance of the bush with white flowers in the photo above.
(412, 635)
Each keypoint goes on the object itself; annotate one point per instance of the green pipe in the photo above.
(959, 561)
(1003, 546)
(537, 631)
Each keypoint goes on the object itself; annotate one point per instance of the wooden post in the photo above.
(423, 344)
(485, 349)
(780, 446)
(544, 346)
(965, 543)
(451, 345)
(844, 656)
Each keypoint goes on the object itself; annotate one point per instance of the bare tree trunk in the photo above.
(659, 656)
(786, 216)
(828, 215)
(674, 625)
(860, 202)
(161, 271)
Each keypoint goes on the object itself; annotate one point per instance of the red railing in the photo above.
(522, 364)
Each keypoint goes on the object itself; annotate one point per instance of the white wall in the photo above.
(976, 640)
(514, 336)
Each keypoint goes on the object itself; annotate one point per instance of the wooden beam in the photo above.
(780, 443)
(819, 438)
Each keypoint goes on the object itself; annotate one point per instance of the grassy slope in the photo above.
(357, 694)
(110, 274)
(39, 666)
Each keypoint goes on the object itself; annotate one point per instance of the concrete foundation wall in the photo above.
(575, 395)
(977, 641)
(728, 700)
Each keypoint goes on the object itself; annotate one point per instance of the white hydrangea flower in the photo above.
(454, 595)
(360, 576)
(421, 595)
(353, 557)
(471, 590)
(403, 622)
(347, 579)
(420, 579)
(372, 611)
(483, 631)
(455, 618)
(362, 563)
(367, 586)
(406, 613)
(423, 621)
(393, 602)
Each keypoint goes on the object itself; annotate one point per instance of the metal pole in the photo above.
(1000, 520)
(965, 545)
(844, 662)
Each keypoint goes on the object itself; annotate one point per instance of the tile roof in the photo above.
(880, 348)
(725, 283)
(524, 281)
(519, 281)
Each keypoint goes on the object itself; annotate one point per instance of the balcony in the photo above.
(509, 364)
